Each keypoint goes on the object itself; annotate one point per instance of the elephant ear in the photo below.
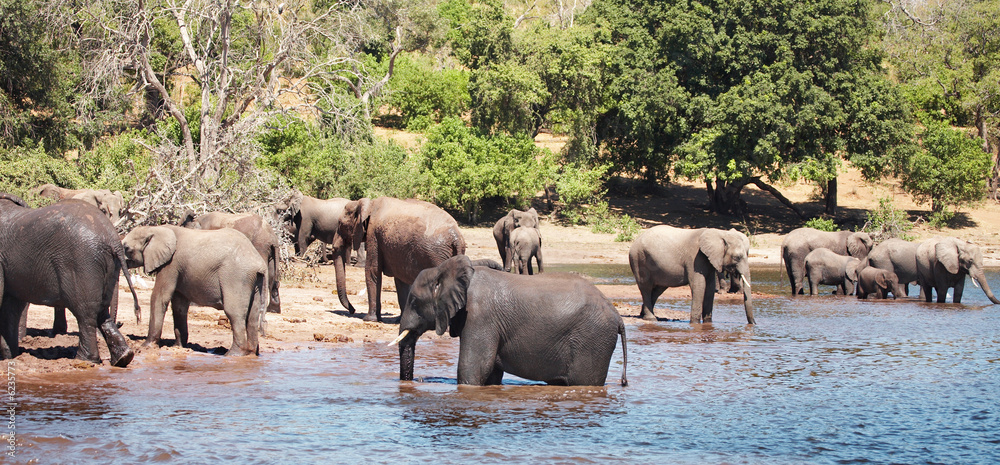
(852, 269)
(90, 197)
(947, 255)
(450, 291)
(713, 245)
(159, 249)
(187, 219)
(859, 244)
(880, 278)
(363, 212)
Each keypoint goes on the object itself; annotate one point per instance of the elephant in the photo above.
(65, 255)
(798, 243)
(899, 256)
(943, 262)
(557, 328)
(526, 242)
(261, 235)
(110, 203)
(215, 268)
(503, 228)
(877, 281)
(823, 266)
(402, 238)
(664, 256)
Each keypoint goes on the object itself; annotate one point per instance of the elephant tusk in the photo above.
(400, 338)
(745, 282)
(975, 282)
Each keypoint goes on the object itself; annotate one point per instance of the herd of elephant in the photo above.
(552, 327)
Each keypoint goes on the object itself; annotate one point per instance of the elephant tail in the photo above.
(123, 262)
(621, 333)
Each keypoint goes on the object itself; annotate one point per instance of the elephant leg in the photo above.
(87, 349)
(238, 320)
(179, 308)
(538, 259)
(700, 286)
(478, 363)
(527, 261)
(813, 285)
(649, 297)
(22, 323)
(942, 293)
(959, 290)
(402, 293)
(59, 325)
(11, 310)
(163, 291)
(708, 301)
(121, 353)
(926, 291)
(496, 376)
(373, 281)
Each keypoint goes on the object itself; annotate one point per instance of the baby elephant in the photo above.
(877, 281)
(824, 266)
(526, 242)
(216, 268)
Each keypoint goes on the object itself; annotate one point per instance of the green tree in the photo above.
(738, 93)
(949, 171)
(423, 94)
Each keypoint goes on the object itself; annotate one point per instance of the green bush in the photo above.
(380, 168)
(603, 221)
(887, 222)
(465, 167)
(951, 170)
(822, 224)
(301, 154)
(579, 186)
(424, 95)
(23, 169)
(118, 163)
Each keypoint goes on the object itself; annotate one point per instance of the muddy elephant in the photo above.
(877, 282)
(823, 266)
(214, 268)
(899, 256)
(402, 238)
(944, 262)
(110, 203)
(664, 256)
(65, 255)
(525, 243)
(798, 243)
(261, 235)
(503, 228)
(556, 328)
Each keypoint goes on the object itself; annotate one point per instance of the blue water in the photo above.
(819, 380)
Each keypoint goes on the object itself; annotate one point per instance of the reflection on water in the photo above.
(819, 380)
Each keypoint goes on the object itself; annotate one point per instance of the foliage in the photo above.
(603, 221)
(38, 74)
(119, 162)
(424, 95)
(23, 169)
(465, 167)
(887, 222)
(950, 170)
(504, 98)
(822, 224)
(380, 168)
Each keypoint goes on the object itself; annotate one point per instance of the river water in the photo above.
(819, 380)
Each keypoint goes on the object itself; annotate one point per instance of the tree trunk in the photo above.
(831, 196)
(724, 197)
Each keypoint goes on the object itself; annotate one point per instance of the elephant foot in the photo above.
(649, 317)
(84, 357)
(372, 317)
(123, 359)
(237, 352)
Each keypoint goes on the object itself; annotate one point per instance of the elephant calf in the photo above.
(216, 268)
(557, 328)
(824, 266)
(526, 242)
(878, 282)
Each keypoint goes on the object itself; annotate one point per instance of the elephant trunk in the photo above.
(743, 270)
(338, 264)
(978, 276)
(406, 351)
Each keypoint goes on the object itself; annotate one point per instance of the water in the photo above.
(818, 380)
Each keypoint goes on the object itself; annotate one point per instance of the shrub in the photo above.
(301, 154)
(887, 222)
(118, 163)
(951, 170)
(822, 224)
(23, 169)
(424, 95)
(603, 221)
(578, 186)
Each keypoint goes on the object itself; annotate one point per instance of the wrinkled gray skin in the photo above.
(798, 243)
(503, 228)
(877, 282)
(525, 243)
(110, 203)
(215, 268)
(309, 219)
(664, 256)
(944, 262)
(402, 238)
(261, 235)
(823, 266)
(899, 256)
(64, 255)
(556, 327)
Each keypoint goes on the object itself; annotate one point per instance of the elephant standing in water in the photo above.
(664, 256)
(261, 235)
(110, 203)
(900, 257)
(215, 268)
(877, 281)
(504, 226)
(943, 262)
(825, 267)
(525, 243)
(557, 328)
(402, 238)
(798, 243)
(65, 255)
